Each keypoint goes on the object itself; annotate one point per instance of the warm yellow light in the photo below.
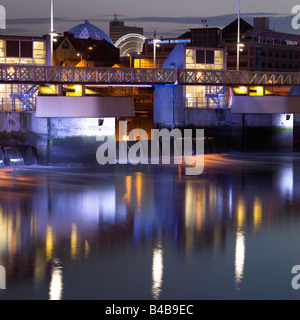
(49, 243)
(241, 214)
(199, 75)
(11, 70)
(74, 241)
(78, 54)
(257, 213)
(90, 48)
(138, 186)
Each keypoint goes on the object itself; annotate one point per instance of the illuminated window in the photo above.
(39, 45)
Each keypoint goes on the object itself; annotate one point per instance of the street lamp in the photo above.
(52, 33)
(130, 59)
(139, 59)
(238, 40)
(155, 41)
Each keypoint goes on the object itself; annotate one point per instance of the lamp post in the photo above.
(139, 59)
(130, 60)
(155, 41)
(51, 32)
(238, 40)
(79, 55)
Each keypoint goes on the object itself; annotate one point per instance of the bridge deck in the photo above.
(132, 76)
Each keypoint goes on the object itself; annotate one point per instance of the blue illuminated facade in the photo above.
(87, 30)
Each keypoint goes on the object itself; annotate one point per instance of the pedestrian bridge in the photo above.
(40, 75)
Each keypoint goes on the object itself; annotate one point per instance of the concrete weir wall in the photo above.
(57, 141)
(64, 130)
(246, 132)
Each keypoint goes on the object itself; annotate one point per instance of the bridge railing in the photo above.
(207, 102)
(57, 75)
(18, 104)
(134, 76)
(237, 78)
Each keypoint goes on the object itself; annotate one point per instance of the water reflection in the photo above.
(239, 258)
(51, 218)
(56, 283)
(157, 270)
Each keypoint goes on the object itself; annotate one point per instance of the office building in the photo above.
(118, 29)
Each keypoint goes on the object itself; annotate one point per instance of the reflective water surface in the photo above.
(151, 232)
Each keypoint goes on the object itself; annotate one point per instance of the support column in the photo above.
(83, 90)
(59, 90)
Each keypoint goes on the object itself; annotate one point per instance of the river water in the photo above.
(151, 232)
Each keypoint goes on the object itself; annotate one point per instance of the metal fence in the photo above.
(134, 76)
(207, 102)
(18, 104)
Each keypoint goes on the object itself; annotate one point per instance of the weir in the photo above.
(17, 156)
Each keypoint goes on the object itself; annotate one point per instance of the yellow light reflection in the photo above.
(86, 249)
(128, 181)
(49, 243)
(56, 283)
(157, 271)
(240, 214)
(74, 242)
(257, 213)
(39, 267)
(139, 190)
(239, 258)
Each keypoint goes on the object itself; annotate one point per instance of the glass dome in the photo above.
(87, 30)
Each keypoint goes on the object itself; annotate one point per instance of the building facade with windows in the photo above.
(263, 49)
(173, 105)
(17, 50)
(118, 29)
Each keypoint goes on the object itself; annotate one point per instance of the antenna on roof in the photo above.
(204, 22)
(116, 17)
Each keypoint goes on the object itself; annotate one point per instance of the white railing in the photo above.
(207, 102)
(18, 104)
(134, 76)
(73, 75)
(237, 78)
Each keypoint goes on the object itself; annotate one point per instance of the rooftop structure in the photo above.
(117, 29)
(73, 51)
(87, 30)
(130, 43)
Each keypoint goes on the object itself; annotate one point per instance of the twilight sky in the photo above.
(169, 17)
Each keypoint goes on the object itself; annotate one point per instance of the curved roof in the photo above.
(87, 30)
(130, 43)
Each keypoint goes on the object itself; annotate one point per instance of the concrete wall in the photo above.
(266, 104)
(57, 141)
(84, 107)
(247, 132)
